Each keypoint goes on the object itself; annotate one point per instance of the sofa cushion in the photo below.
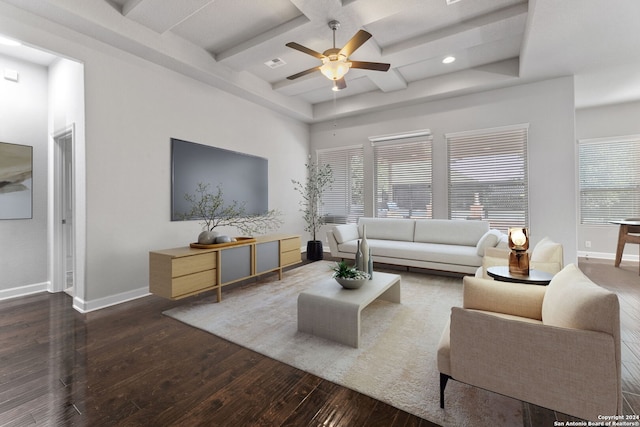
(344, 233)
(489, 240)
(451, 232)
(388, 228)
(427, 252)
(500, 297)
(574, 301)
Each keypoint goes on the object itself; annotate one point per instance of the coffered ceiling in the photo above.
(496, 43)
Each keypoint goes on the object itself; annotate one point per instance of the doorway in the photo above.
(64, 191)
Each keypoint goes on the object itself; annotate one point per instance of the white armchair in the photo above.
(555, 346)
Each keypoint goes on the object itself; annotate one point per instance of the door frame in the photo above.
(57, 261)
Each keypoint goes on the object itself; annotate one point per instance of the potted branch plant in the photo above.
(319, 179)
(210, 208)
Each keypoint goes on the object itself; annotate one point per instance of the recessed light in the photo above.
(448, 60)
(9, 42)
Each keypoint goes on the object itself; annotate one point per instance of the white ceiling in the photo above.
(496, 43)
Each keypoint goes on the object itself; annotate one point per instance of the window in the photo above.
(488, 176)
(344, 203)
(403, 175)
(609, 170)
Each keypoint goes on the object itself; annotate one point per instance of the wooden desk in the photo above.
(629, 233)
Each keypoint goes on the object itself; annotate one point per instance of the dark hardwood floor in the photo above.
(129, 365)
(625, 282)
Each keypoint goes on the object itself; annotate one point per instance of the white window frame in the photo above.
(492, 173)
(394, 205)
(338, 205)
(600, 181)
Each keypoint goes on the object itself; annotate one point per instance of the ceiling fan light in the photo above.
(335, 68)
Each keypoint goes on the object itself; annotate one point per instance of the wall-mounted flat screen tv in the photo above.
(242, 177)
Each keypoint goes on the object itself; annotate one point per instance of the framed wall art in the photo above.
(16, 181)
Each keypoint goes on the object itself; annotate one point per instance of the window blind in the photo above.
(609, 176)
(403, 178)
(344, 202)
(488, 176)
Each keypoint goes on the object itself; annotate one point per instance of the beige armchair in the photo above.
(555, 346)
(547, 256)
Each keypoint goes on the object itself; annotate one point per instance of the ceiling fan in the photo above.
(335, 62)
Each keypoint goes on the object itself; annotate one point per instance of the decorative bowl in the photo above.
(351, 283)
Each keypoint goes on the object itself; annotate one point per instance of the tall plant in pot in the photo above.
(319, 180)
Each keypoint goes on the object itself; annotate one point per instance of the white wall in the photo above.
(132, 109)
(547, 106)
(602, 122)
(23, 120)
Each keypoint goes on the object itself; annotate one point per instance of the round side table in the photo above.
(535, 277)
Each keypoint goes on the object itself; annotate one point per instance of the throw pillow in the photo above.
(489, 240)
(345, 233)
(547, 251)
(572, 300)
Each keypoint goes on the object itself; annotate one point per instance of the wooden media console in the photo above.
(181, 272)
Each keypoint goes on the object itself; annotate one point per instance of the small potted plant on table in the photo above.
(349, 276)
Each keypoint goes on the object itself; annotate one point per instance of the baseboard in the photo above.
(86, 306)
(24, 290)
(607, 255)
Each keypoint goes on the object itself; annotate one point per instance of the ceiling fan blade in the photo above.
(355, 42)
(341, 84)
(376, 66)
(303, 49)
(303, 73)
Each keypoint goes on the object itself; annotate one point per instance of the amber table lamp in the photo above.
(519, 257)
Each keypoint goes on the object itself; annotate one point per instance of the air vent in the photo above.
(275, 63)
(11, 75)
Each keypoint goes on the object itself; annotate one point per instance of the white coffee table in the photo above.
(329, 311)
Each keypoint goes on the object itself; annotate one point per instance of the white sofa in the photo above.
(439, 244)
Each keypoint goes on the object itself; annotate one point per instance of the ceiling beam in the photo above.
(508, 22)
(255, 46)
(389, 81)
(486, 77)
(162, 15)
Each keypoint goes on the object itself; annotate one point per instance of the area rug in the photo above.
(396, 361)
